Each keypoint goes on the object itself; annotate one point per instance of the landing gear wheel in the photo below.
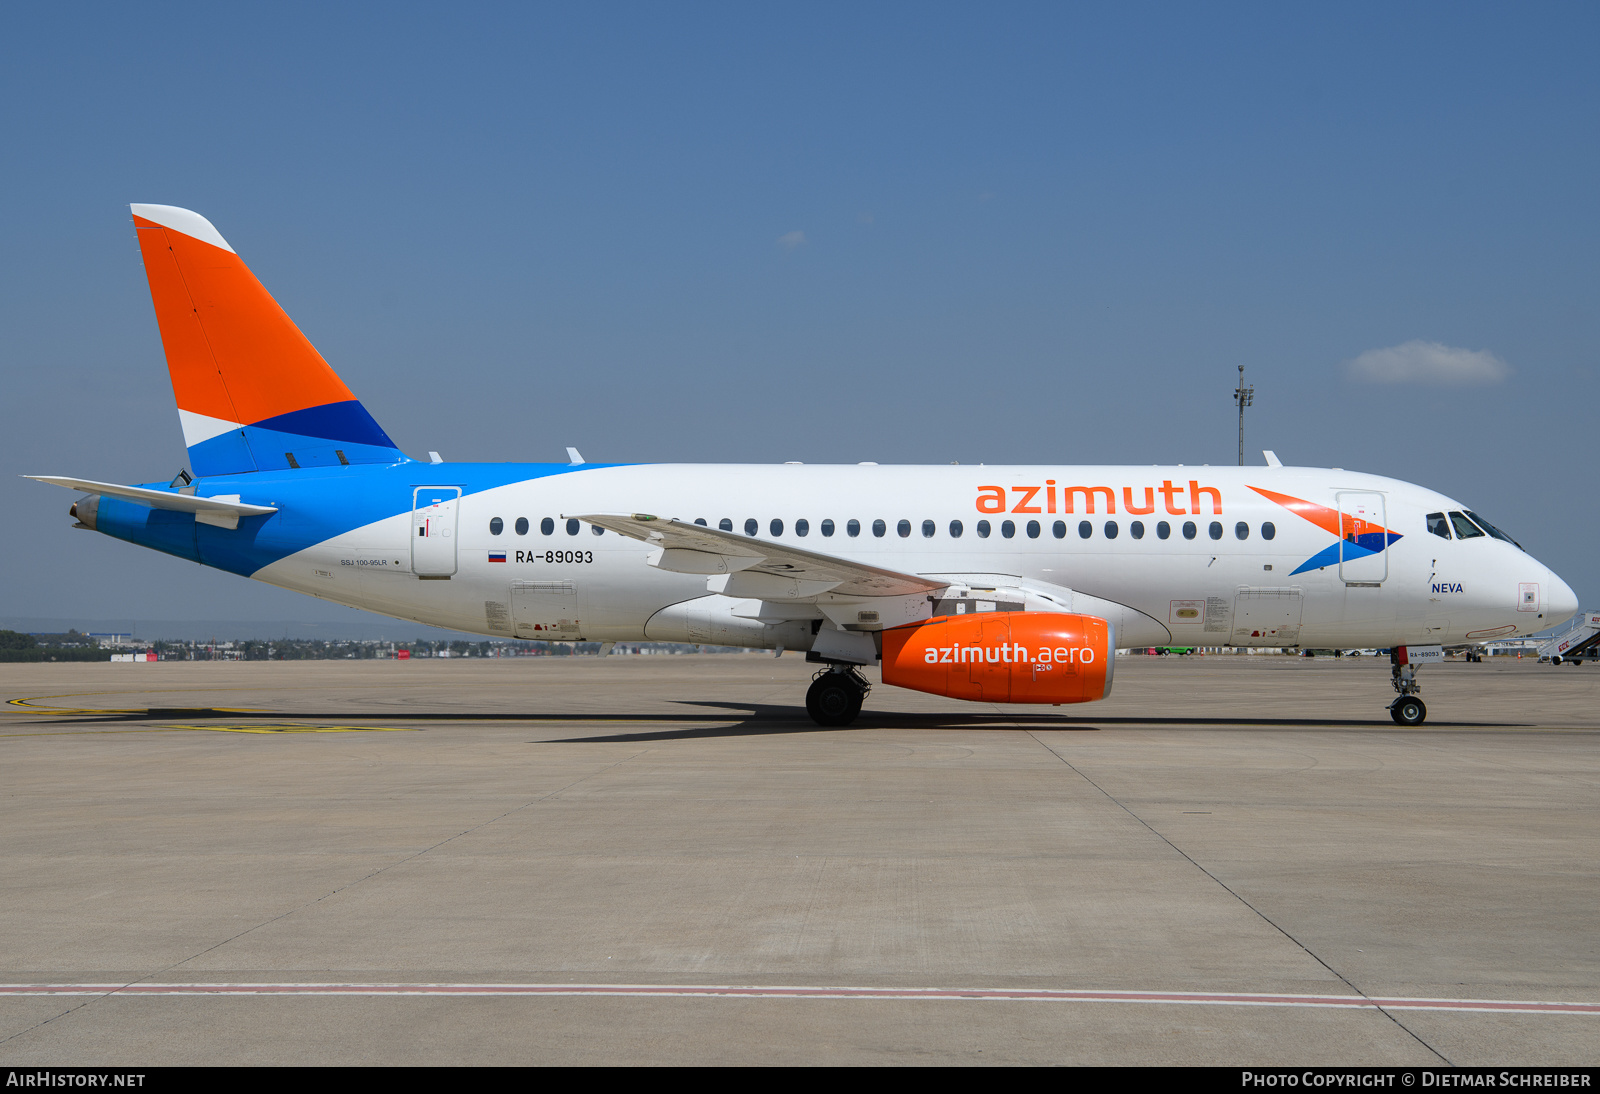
(1408, 710)
(834, 699)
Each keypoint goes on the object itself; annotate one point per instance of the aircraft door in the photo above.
(1267, 616)
(548, 610)
(433, 530)
(1363, 538)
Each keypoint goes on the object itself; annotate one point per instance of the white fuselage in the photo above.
(1237, 588)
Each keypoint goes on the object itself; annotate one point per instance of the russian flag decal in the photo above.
(497, 556)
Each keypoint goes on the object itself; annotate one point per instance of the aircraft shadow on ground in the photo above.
(786, 719)
(755, 719)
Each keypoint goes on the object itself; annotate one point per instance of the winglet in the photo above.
(1272, 458)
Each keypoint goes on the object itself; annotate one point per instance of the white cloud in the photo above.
(1419, 362)
(790, 240)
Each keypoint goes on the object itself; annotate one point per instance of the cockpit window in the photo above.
(1465, 529)
(1438, 525)
(1493, 531)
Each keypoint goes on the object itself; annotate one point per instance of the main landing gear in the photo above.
(1409, 709)
(836, 695)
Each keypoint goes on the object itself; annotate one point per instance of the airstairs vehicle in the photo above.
(1580, 642)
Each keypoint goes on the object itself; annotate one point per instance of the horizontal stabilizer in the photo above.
(224, 511)
(695, 548)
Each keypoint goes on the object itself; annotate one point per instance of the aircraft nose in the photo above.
(1562, 604)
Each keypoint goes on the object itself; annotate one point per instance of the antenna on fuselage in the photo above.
(1243, 396)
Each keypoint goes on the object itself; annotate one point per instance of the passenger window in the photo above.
(522, 526)
(802, 526)
(853, 529)
(983, 529)
(1438, 525)
(1465, 529)
(1059, 529)
(1111, 529)
(1136, 529)
(928, 529)
(1492, 530)
(547, 527)
(1008, 528)
(879, 529)
(572, 526)
(1268, 530)
(955, 529)
(1085, 529)
(1189, 529)
(597, 530)
(1241, 530)
(777, 528)
(1163, 530)
(827, 527)
(701, 521)
(1033, 529)
(496, 526)
(903, 529)
(1216, 529)
(725, 524)
(751, 527)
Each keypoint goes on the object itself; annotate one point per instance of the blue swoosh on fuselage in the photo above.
(1332, 555)
(314, 504)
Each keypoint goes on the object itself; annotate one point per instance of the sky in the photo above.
(907, 233)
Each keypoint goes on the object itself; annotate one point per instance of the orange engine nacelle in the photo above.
(1004, 657)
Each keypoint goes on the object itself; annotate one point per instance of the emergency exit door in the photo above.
(433, 530)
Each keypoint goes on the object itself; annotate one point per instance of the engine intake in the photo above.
(1004, 657)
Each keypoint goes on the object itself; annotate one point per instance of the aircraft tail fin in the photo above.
(253, 393)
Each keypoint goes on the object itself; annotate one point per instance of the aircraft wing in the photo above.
(697, 549)
(223, 511)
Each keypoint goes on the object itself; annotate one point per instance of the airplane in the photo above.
(994, 584)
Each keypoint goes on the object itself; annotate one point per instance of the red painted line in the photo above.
(1027, 995)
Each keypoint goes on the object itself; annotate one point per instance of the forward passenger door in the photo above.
(1363, 538)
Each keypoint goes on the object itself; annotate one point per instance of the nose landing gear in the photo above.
(1409, 709)
(836, 695)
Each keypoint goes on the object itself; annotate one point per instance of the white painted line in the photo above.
(640, 991)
